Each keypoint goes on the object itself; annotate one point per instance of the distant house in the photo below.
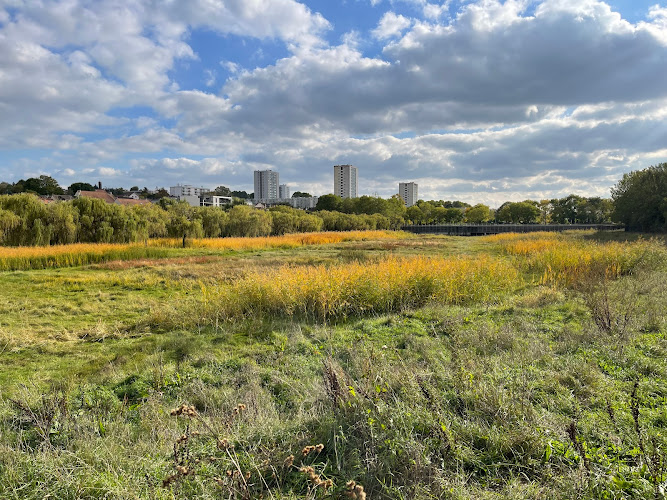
(99, 194)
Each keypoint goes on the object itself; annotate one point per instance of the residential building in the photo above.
(266, 185)
(210, 200)
(99, 194)
(192, 200)
(346, 181)
(283, 191)
(186, 190)
(304, 203)
(408, 191)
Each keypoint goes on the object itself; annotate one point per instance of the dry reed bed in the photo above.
(79, 254)
(339, 291)
(563, 260)
(284, 241)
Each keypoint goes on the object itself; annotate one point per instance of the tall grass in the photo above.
(284, 241)
(79, 254)
(563, 260)
(339, 291)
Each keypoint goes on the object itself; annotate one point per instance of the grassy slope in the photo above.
(443, 402)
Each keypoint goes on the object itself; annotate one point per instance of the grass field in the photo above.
(376, 366)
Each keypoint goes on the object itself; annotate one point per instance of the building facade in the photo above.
(186, 190)
(408, 191)
(304, 203)
(214, 201)
(266, 185)
(346, 181)
(283, 191)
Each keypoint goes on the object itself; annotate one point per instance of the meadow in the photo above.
(328, 365)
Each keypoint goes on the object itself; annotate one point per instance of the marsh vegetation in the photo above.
(378, 365)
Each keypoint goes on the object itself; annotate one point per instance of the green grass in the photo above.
(462, 401)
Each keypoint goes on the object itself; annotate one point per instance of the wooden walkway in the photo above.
(482, 229)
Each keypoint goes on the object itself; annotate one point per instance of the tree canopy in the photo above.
(640, 199)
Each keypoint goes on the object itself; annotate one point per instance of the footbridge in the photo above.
(482, 229)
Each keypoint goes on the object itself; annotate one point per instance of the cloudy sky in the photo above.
(477, 100)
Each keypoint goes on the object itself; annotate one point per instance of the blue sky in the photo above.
(478, 100)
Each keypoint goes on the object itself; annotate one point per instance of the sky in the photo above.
(476, 100)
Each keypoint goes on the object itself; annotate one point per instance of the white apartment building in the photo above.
(304, 203)
(408, 191)
(266, 185)
(346, 181)
(214, 201)
(283, 191)
(186, 190)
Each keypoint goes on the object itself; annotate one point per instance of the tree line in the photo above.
(639, 200)
(25, 220)
(569, 210)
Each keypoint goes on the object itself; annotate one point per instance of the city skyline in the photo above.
(475, 100)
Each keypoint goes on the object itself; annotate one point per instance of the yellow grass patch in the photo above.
(23, 258)
(329, 292)
(284, 241)
(558, 259)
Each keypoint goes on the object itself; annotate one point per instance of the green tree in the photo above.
(43, 185)
(478, 214)
(329, 202)
(32, 213)
(283, 220)
(248, 221)
(184, 222)
(222, 191)
(565, 210)
(640, 199)
(414, 214)
(545, 211)
(79, 186)
(594, 210)
(8, 222)
(63, 219)
(95, 220)
(152, 221)
(518, 213)
(214, 221)
(300, 194)
(160, 194)
(453, 215)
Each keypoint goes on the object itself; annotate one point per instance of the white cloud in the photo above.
(391, 25)
(435, 11)
(500, 102)
(66, 63)
(108, 172)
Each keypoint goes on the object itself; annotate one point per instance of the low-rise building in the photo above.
(302, 203)
(210, 200)
(186, 190)
(99, 194)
